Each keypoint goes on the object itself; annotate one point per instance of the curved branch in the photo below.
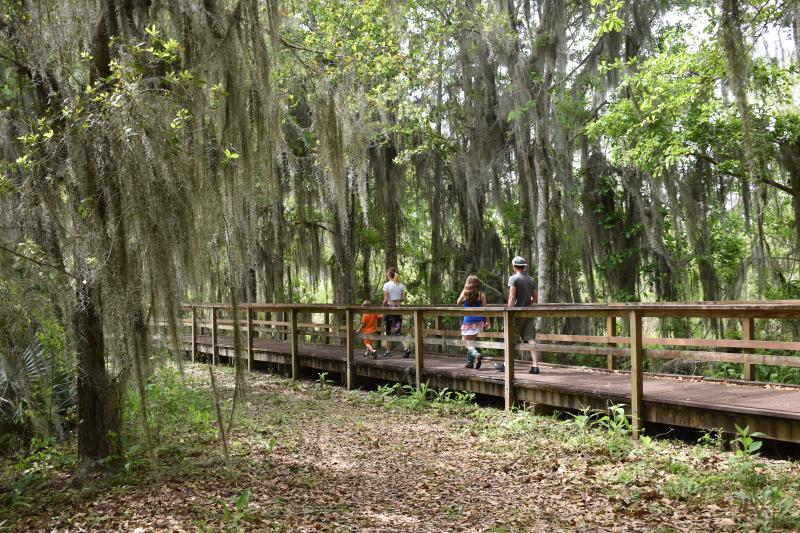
(13, 252)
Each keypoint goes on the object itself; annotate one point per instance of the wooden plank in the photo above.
(581, 349)
(508, 359)
(708, 343)
(395, 338)
(250, 359)
(725, 357)
(727, 343)
(445, 342)
(637, 384)
(316, 325)
(611, 331)
(748, 333)
(457, 332)
(194, 334)
(214, 336)
(350, 372)
(293, 344)
(270, 323)
(460, 342)
(419, 347)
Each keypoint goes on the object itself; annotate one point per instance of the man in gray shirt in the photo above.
(522, 293)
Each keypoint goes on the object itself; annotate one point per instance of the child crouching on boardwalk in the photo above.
(369, 325)
(472, 296)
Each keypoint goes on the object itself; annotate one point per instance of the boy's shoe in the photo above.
(407, 353)
(533, 370)
(500, 366)
(374, 354)
(478, 357)
(387, 353)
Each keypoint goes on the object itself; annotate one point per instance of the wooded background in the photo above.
(156, 152)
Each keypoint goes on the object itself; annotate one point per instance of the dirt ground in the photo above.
(315, 457)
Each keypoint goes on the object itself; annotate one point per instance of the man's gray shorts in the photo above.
(525, 328)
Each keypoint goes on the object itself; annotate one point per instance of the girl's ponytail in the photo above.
(393, 275)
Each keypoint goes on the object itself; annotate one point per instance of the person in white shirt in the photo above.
(394, 293)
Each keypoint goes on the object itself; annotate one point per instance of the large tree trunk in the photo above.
(99, 407)
(388, 174)
(790, 158)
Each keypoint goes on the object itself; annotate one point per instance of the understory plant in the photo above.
(424, 396)
(37, 390)
(608, 430)
(762, 500)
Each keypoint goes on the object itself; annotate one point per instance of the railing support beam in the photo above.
(194, 333)
(419, 333)
(748, 334)
(611, 331)
(637, 382)
(293, 343)
(214, 336)
(250, 355)
(508, 354)
(350, 369)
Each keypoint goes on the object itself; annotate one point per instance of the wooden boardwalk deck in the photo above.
(685, 402)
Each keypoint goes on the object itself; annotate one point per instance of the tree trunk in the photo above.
(99, 406)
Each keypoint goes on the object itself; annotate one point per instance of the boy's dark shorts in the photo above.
(525, 328)
(394, 324)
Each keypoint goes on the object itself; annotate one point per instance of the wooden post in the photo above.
(611, 331)
(194, 334)
(748, 334)
(293, 341)
(326, 330)
(350, 370)
(637, 384)
(214, 335)
(438, 325)
(419, 334)
(250, 356)
(508, 347)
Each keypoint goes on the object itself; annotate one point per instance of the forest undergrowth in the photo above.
(311, 456)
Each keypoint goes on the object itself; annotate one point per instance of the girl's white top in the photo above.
(395, 290)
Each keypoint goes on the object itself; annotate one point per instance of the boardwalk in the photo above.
(686, 402)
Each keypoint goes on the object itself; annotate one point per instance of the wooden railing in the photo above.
(283, 322)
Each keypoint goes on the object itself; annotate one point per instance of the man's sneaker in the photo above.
(500, 366)
(533, 370)
(469, 364)
(477, 360)
(387, 353)
(407, 353)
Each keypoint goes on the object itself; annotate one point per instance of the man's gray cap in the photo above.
(519, 262)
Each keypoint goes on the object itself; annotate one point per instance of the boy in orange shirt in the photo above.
(369, 325)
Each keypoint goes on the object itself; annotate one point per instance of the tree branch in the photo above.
(762, 179)
(13, 252)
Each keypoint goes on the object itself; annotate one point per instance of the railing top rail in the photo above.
(756, 309)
